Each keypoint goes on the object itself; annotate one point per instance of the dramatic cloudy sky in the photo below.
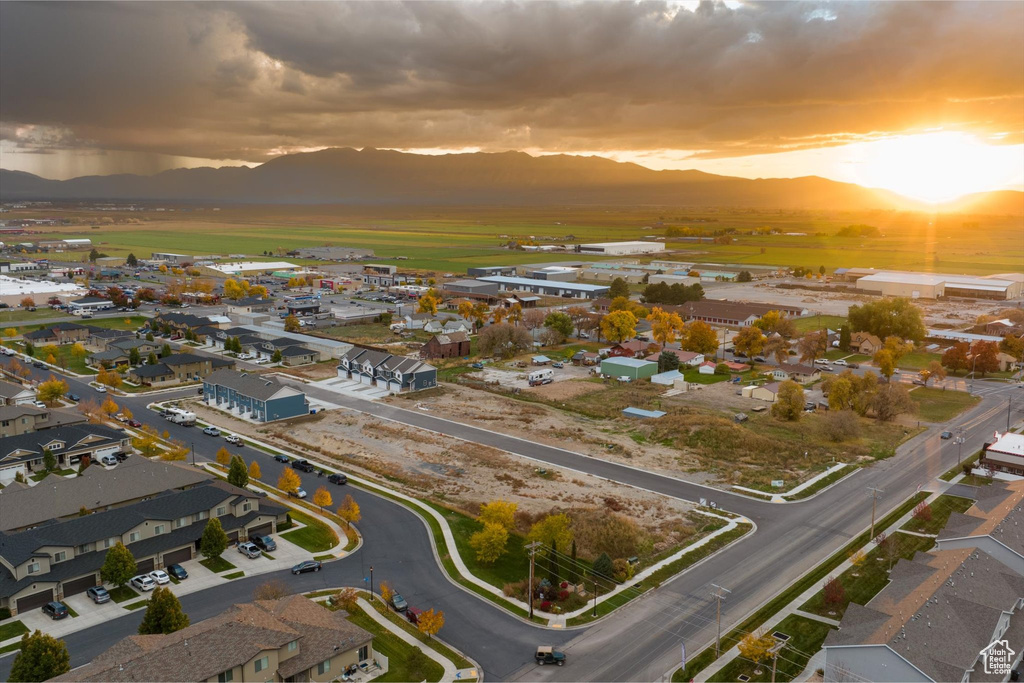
(749, 88)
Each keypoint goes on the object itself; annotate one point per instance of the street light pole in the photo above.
(371, 582)
(874, 497)
(193, 454)
(719, 597)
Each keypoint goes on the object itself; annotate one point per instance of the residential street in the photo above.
(641, 642)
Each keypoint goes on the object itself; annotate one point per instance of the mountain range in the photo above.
(381, 177)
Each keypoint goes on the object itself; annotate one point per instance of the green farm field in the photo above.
(450, 239)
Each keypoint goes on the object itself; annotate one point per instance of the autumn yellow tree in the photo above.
(618, 326)
(750, 341)
(466, 309)
(288, 481)
(78, 351)
(700, 338)
(498, 315)
(291, 324)
(429, 302)
(254, 470)
(109, 407)
(147, 443)
(757, 647)
(489, 543)
(515, 314)
(10, 333)
(175, 452)
(50, 391)
(109, 378)
(127, 413)
(322, 498)
(430, 622)
(386, 591)
(232, 290)
(857, 559)
(500, 512)
(349, 510)
(223, 456)
(665, 326)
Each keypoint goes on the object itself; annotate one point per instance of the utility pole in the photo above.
(193, 454)
(1009, 403)
(532, 549)
(371, 582)
(717, 595)
(874, 497)
(960, 445)
(595, 596)
(775, 658)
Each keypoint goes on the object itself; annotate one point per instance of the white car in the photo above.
(160, 576)
(822, 361)
(261, 361)
(38, 404)
(840, 362)
(143, 582)
(299, 493)
(100, 389)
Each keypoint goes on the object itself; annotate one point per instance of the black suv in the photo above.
(338, 479)
(265, 543)
(304, 465)
(56, 610)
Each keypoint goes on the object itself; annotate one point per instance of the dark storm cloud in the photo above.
(243, 80)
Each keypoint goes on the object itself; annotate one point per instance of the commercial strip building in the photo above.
(62, 558)
(730, 313)
(572, 290)
(949, 614)
(332, 253)
(13, 290)
(254, 397)
(248, 268)
(288, 639)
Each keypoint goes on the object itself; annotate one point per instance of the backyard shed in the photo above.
(667, 378)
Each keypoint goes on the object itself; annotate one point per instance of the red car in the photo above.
(413, 615)
(134, 423)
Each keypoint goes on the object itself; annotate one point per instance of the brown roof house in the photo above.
(865, 342)
(289, 639)
(450, 345)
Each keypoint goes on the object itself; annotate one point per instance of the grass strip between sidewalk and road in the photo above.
(217, 564)
(707, 656)
(396, 650)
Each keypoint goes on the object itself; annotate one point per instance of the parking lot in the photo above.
(517, 377)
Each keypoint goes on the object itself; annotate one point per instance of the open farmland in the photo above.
(452, 239)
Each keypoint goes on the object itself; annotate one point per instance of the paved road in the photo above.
(642, 641)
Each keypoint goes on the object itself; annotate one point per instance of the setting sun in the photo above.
(935, 167)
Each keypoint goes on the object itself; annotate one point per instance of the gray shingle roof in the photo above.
(183, 359)
(291, 351)
(158, 370)
(97, 488)
(10, 389)
(254, 386)
(71, 435)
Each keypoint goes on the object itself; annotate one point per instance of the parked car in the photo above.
(39, 364)
(299, 493)
(249, 550)
(337, 478)
(399, 603)
(547, 655)
(281, 458)
(55, 610)
(143, 582)
(919, 382)
(134, 423)
(760, 359)
(263, 543)
(108, 460)
(823, 361)
(304, 465)
(307, 566)
(39, 404)
(477, 366)
(413, 615)
(211, 431)
(178, 572)
(100, 389)
(160, 576)
(840, 361)
(233, 440)
(853, 365)
(261, 361)
(558, 364)
(946, 435)
(98, 594)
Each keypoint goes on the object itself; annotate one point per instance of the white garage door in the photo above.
(395, 387)
(365, 379)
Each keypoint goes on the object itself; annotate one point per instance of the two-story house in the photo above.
(12, 394)
(254, 397)
(52, 561)
(23, 419)
(69, 444)
(288, 639)
(397, 374)
(59, 333)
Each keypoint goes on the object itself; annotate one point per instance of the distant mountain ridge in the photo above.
(381, 177)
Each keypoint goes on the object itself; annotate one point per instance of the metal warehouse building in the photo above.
(620, 248)
(911, 285)
(573, 290)
(634, 368)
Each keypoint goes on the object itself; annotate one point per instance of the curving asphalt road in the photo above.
(641, 642)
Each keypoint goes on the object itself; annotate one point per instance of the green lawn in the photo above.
(316, 537)
(872, 576)
(15, 628)
(233, 575)
(818, 322)
(397, 651)
(975, 480)
(938, 405)
(216, 564)
(942, 507)
(137, 605)
(806, 638)
(513, 566)
(128, 322)
(44, 312)
(918, 360)
(123, 594)
(39, 476)
(402, 623)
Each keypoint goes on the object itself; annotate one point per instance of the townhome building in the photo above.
(61, 558)
(254, 397)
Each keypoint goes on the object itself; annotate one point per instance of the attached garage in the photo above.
(30, 602)
(262, 530)
(395, 387)
(178, 556)
(365, 379)
(79, 585)
(145, 566)
(233, 536)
